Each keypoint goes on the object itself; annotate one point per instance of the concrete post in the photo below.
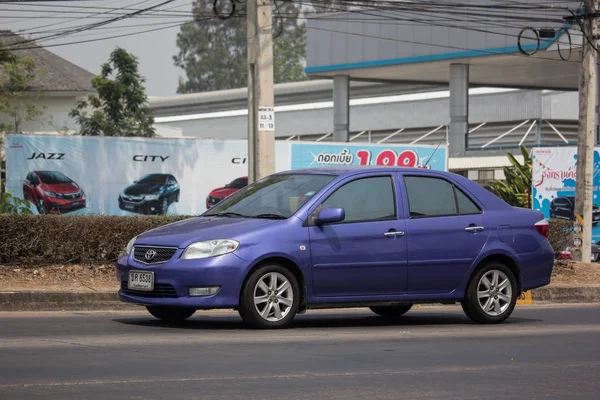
(459, 109)
(341, 108)
(261, 114)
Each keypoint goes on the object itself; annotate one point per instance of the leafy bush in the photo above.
(516, 191)
(10, 204)
(77, 239)
(52, 239)
(561, 234)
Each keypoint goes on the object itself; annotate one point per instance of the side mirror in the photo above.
(330, 216)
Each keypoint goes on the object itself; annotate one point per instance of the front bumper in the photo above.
(173, 279)
(143, 207)
(60, 206)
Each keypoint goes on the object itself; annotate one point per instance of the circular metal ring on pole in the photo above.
(217, 11)
(558, 44)
(537, 37)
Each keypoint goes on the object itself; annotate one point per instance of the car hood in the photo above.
(183, 233)
(223, 192)
(62, 188)
(141, 188)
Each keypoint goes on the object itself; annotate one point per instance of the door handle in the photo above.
(474, 228)
(393, 234)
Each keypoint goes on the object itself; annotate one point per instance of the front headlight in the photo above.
(151, 197)
(129, 246)
(52, 194)
(209, 248)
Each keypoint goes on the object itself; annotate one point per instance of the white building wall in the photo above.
(55, 115)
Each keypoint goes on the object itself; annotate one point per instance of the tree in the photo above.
(17, 78)
(212, 52)
(516, 191)
(121, 107)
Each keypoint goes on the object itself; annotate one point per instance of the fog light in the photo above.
(204, 291)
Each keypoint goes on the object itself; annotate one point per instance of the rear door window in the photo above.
(437, 197)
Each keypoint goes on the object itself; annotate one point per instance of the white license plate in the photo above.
(75, 204)
(129, 206)
(141, 280)
(596, 217)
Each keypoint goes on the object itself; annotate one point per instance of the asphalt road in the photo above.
(431, 353)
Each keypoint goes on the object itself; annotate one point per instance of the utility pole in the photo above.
(585, 144)
(261, 114)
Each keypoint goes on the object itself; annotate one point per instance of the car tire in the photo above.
(594, 257)
(171, 315)
(270, 290)
(164, 207)
(41, 208)
(391, 311)
(491, 295)
(177, 198)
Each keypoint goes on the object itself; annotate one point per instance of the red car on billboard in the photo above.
(218, 194)
(52, 192)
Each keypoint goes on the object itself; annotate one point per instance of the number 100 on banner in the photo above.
(406, 158)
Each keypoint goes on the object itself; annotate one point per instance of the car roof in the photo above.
(488, 198)
(353, 169)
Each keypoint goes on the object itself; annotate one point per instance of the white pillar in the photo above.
(459, 109)
(341, 108)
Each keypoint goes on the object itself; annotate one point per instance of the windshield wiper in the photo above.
(269, 216)
(227, 214)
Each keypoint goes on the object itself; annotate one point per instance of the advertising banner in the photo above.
(129, 176)
(554, 172)
(307, 155)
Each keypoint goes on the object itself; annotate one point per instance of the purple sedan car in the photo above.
(378, 237)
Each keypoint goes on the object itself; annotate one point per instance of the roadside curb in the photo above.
(574, 294)
(62, 301)
(100, 301)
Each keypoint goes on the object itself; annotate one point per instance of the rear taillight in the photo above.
(543, 227)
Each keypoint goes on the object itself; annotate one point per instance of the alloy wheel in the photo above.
(40, 206)
(273, 297)
(494, 292)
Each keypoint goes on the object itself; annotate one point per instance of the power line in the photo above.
(92, 26)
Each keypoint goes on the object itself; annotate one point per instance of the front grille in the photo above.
(161, 254)
(133, 199)
(70, 196)
(161, 290)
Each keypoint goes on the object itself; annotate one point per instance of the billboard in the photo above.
(307, 155)
(554, 172)
(129, 176)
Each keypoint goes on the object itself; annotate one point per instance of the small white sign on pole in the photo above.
(266, 119)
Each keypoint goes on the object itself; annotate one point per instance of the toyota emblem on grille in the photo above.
(150, 254)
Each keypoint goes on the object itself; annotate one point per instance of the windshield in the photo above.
(153, 179)
(52, 177)
(276, 196)
(238, 183)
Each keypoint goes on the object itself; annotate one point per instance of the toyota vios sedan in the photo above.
(380, 237)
